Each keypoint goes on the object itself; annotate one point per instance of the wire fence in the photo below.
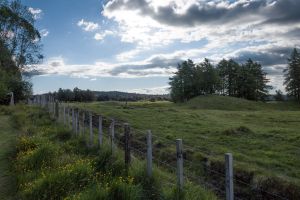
(214, 176)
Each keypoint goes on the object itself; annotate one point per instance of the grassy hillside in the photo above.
(264, 138)
(52, 163)
(213, 102)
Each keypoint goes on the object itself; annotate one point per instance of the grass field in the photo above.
(263, 137)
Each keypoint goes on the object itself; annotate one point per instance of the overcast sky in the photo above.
(135, 45)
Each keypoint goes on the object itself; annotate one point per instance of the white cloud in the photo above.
(152, 90)
(156, 23)
(87, 26)
(44, 32)
(151, 67)
(102, 35)
(129, 55)
(36, 12)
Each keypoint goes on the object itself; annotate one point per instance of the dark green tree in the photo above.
(192, 80)
(228, 71)
(279, 95)
(183, 82)
(292, 75)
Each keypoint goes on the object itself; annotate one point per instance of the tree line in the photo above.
(79, 95)
(228, 77)
(20, 48)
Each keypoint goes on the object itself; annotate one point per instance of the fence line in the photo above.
(75, 118)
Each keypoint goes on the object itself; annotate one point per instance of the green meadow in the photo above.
(264, 138)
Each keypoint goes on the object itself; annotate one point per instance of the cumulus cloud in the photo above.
(87, 26)
(36, 12)
(155, 66)
(197, 12)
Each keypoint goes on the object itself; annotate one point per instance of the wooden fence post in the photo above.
(229, 176)
(179, 164)
(91, 130)
(127, 145)
(100, 131)
(149, 154)
(112, 136)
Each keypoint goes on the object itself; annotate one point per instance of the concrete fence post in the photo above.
(229, 176)
(56, 110)
(64, 114)
(76, 122)
(149, 153)
(12, 99)
(179, 163)
(73, 120)
(91, 130)
(69, 117)
(112, 136)
(127, 145)
(83, 123)
(100, 131)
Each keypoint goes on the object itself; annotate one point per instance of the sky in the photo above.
(136, 45)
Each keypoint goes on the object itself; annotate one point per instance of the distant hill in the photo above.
(215, 102)
(125, 96)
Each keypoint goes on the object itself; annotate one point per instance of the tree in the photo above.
(253, 81)
(19, 34)
(192, 80)
(228, 78)
(182, 83)
(279, 95)
(292, 75)
(10, 78)
(228, 71)
(19, 47)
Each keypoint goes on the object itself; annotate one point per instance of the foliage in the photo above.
(19, 47)
(292, 75)
(19, 34)
(227, 78)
